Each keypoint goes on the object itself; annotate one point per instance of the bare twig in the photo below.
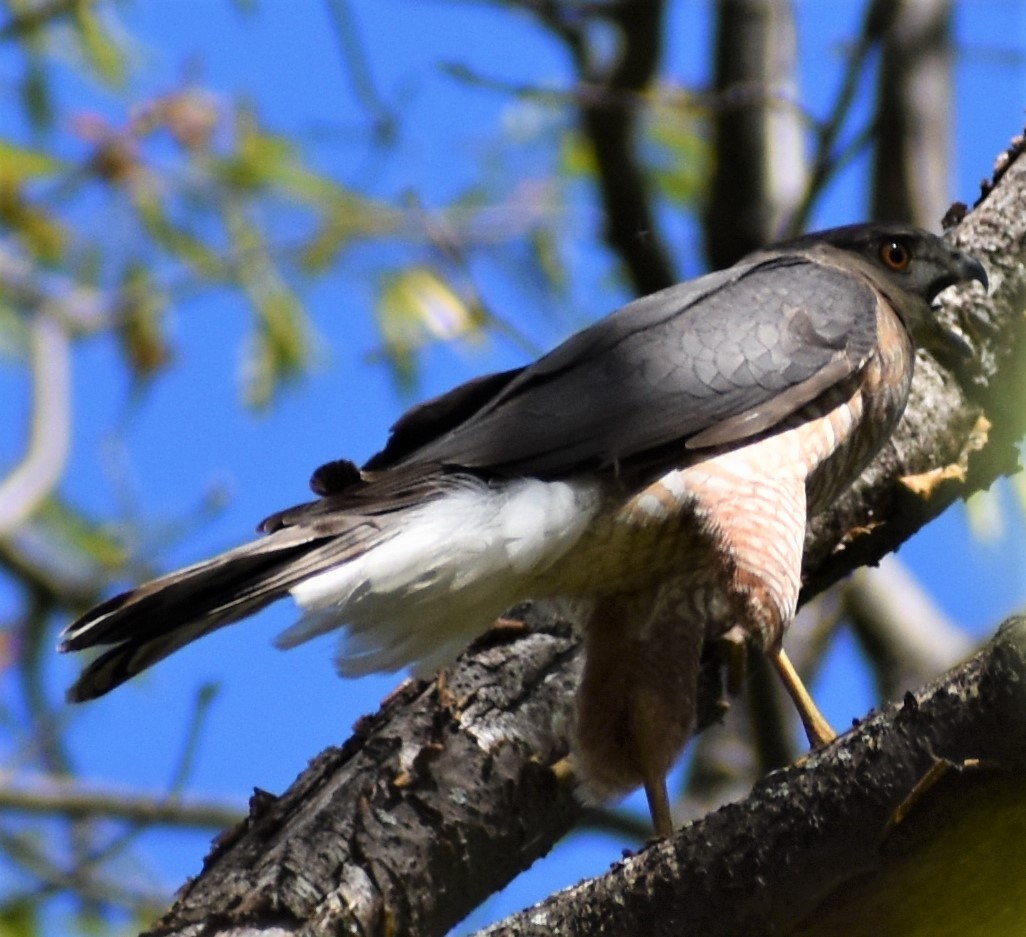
(825, 162)
(354, 59)
(57, 796)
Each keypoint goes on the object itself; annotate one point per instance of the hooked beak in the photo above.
(974, 270)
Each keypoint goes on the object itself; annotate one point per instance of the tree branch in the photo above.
(758, 130)
(912, 145)
(449, 775)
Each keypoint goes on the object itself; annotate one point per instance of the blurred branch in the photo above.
(758, 129)
(906, 637)
(80, 309)
(828, 158)
(914, 110)
(24, 489)
(611, 94)
(51, 796)
(53, 879)
(340, 15)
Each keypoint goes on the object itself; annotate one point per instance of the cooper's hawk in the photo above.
(658, 468)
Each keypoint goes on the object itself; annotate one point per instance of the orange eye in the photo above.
(895, 255)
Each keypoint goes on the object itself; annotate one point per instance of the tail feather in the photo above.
(148, 623)
(407, 583)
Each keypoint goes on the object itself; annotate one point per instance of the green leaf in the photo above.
(263, 160)
(345, 218)
(280, 345)
(19, 919)
(677, 151)
(576, 156)
(178, 242)
(99, 48)
(416, 306)
(37, 229)
(545, 251)
(62, 524)
(19, 164)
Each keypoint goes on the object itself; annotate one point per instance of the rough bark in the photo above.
(441, 797)
(436, 801)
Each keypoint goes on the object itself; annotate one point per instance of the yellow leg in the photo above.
(816, 727)
(659, 805)
(651, 758)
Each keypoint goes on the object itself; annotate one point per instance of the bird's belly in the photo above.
(618, 555)
(727, 538)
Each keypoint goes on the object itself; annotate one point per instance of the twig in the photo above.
(71, 799)
(826, 163)
(354, 59)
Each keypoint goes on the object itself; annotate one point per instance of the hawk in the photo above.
(658, 469)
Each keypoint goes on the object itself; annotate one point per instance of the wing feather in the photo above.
(711, 361)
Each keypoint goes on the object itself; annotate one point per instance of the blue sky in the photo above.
(189, 435)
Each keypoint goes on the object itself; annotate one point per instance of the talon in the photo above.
(563, 770)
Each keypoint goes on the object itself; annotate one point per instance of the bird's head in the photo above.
(912, 267)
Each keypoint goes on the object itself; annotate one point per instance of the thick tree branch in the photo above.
(434, 803)
(445, 794)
